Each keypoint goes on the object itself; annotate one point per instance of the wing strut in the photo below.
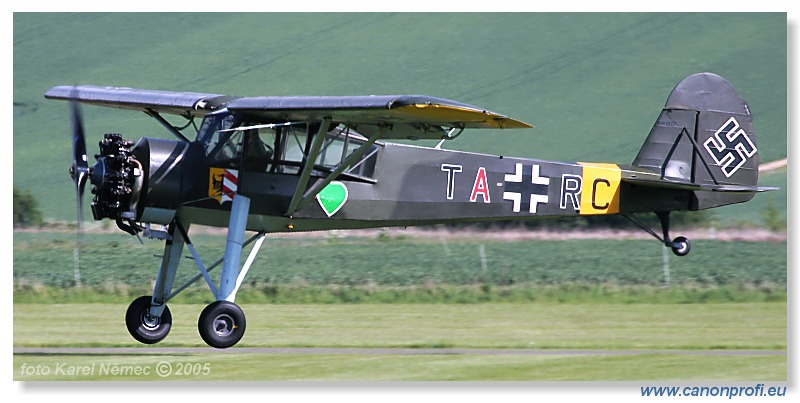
(166, 124)
(312, 193)
(301, 198)
(305, 174)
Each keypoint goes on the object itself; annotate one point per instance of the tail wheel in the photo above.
(142, 326)
(681, 246)
(221, 324)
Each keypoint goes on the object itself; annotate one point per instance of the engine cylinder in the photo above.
(116, 179)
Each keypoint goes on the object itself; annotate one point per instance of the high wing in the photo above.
(387, 116)
(376, 117)
(381, 116)
(187, 104)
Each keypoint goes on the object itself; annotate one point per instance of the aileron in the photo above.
(170, 102)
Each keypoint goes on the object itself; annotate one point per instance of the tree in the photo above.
(26, 209)
(772, 215)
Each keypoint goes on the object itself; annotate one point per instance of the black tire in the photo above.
(221, 324)
(681, 246)
(142, 326)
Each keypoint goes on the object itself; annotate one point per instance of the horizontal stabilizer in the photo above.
(668, 184)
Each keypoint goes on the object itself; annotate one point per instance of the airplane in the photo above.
(309, 163)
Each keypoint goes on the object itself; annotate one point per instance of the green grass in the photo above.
(497, 326)
(574, 295)
(256, 367)
(115, 262)
(422, 294)
(538, 326)
(592, 84)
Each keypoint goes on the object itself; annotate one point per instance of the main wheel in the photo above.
(221, 324)
(143, 327)
(681, 246)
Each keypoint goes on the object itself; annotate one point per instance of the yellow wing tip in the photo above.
(508, 123)
(451, 113)
(516, 124)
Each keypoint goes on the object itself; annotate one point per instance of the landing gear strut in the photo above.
(680, 245)
(222, 323)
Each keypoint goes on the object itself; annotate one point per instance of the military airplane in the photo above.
(307, 163)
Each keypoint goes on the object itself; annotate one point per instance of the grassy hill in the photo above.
(592, 84)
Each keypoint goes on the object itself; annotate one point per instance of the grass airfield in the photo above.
(429, 314)
(528, 342)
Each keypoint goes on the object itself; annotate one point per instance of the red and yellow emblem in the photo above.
(222, 184)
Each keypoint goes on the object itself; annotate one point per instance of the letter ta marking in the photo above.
(451, 178)
(481, 187)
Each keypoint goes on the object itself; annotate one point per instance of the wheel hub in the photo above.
(150, 322)
(224, 325)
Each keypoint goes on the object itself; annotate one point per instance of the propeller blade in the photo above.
(76, 252)
(79, 159)
(80, 163)
(80, 174)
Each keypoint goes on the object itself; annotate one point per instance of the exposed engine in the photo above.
(117, 180)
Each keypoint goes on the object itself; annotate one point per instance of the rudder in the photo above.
(704, 136)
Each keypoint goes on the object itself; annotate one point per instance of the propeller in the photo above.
(80, 174)
(80, 165)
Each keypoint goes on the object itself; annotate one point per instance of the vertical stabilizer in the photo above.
(704, 136)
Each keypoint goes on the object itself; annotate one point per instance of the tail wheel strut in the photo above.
(680, 245)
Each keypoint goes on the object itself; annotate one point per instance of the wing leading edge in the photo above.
(382, 116)
(374, 109)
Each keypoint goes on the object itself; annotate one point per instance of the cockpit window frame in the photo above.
(214, 139)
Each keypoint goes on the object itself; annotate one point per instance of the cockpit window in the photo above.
(210, 134)
(231, 147)
(282, 148)
(339, 145)
(294, 140)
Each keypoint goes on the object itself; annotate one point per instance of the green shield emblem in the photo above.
(332, 197)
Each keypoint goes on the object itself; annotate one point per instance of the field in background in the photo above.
(591, 84)
(395, 267)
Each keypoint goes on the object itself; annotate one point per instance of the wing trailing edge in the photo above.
(170, 102)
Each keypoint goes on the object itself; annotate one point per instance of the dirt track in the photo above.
(730, 235)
